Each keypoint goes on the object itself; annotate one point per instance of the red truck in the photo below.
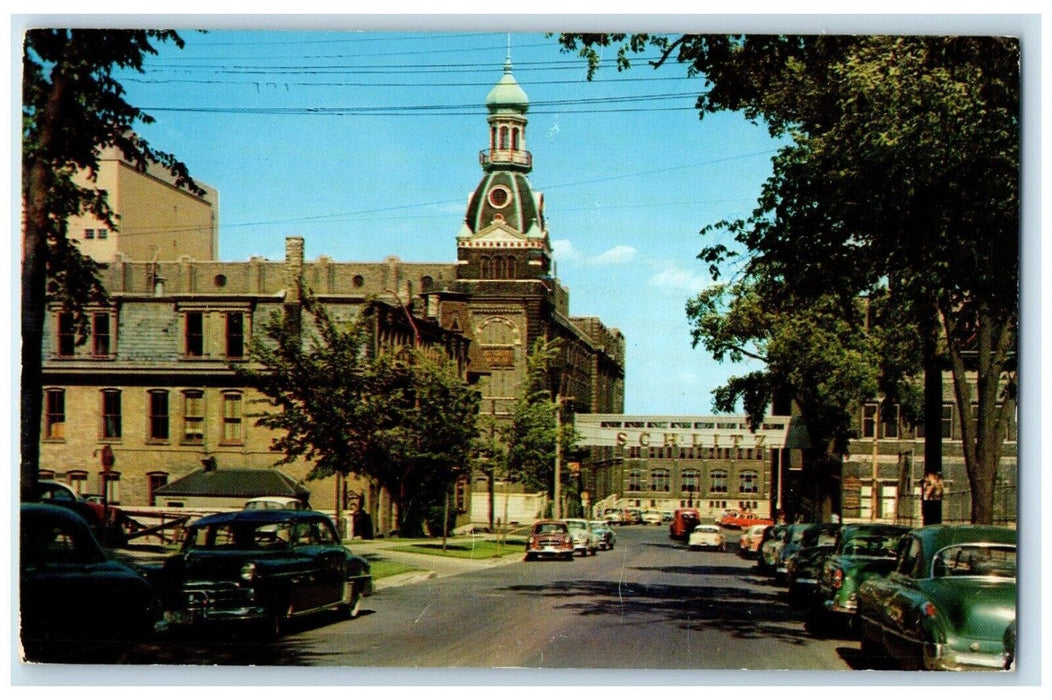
(684, 520)
(734, 520)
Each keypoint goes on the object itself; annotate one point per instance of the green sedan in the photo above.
(947, 604)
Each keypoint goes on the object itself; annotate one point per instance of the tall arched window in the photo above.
(493, 137)
(719, 481)
(511, 268)
(659, 480)
(484, 267)
(514, 139)
(504, 137)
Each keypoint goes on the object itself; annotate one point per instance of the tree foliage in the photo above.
(72, 109)
(530, 437)
(401, 416)
(899, 179)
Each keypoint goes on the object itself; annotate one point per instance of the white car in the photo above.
(652, 517)
(584, 540)
(274, 503)
(707, 537)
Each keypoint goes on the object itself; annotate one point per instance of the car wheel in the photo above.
(530, 556)
(872, 656)
(273, 625)
(569, 557)
(351, 606)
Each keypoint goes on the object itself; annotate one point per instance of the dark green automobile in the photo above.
(947, 604)
(862, 551)
(264, 567)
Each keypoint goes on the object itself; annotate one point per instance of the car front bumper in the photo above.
(943, 657)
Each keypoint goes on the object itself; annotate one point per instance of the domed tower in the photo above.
(504, 236)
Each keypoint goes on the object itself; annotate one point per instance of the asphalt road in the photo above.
(647, 604)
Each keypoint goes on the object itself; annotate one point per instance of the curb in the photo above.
(405, 579)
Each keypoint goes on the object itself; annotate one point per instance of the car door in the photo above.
(331, 558)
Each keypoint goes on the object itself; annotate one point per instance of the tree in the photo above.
(400, 415)
(531, 435)
(72, 109)
(899, 177)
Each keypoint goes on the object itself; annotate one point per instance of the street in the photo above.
(647, 604)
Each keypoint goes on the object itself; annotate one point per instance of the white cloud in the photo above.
(618, 255)
(675, 279)
(563, 251)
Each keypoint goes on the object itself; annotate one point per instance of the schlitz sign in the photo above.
(618, 430)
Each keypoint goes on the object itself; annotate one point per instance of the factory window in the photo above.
(235, 334)
(232, 418)
(111, 414)
(158, 425)
(193, 417)
(55, 414)
(659, 480)
(195, 333)
(748, 482)
(718, 479)
(635, 480)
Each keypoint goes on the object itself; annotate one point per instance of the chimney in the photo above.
(293, 268)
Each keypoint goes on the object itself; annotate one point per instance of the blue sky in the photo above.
(366, 144)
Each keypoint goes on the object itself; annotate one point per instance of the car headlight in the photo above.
(248, 571)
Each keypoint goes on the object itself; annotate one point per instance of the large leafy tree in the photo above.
(532, 432)
(72, 108)
(899, 177)
(400, 415)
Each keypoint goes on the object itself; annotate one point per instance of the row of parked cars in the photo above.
(941, 597)
(562, 539)
(255, 568)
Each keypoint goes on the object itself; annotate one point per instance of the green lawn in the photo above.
(466, 548)
(382, 568)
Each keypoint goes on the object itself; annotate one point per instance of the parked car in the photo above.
(70, 591)
(791, 540)
(651, 517)
(749, 542)
(803, 566)
(262, 567)
(584, 540)
(605, 533)
(635, 516)
(549, 538)
(948, 603)
(274, 503)
(613, 516)
(770, 548)
(740, 520)
(59, 494)
(684, 520)
(706, 537)
(862, 552)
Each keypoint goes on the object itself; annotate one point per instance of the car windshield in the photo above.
(577, 524)
(706, 528)
(871, 546)
(975, 560)
(241, 535)
(547, 528)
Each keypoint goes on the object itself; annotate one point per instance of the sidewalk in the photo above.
(430, 565)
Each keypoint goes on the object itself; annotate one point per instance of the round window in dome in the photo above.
(499, 197)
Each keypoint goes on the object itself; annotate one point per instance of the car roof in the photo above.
(878, 529)
(39, 509)
(939, 536)
(260, 516)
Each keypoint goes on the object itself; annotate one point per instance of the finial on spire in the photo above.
(507, 58)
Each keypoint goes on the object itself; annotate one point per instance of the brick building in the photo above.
(152, 393)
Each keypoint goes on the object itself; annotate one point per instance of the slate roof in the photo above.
(235, 482)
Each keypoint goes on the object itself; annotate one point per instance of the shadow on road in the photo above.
(740, 612)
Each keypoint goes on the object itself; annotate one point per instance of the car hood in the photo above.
(977, 608)
(226, 565)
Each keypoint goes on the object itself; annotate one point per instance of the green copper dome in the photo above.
(507, 95)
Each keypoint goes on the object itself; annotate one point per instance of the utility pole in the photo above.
(557, 512)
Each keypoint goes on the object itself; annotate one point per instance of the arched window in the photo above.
(659, 480)
(504, 137)
(498, 268)
(514, 139)
(484, 267)
(635, 480)
(748, 482)
(689, 481)
(511, 268)
(719, 481)
(154, 481)
(493, 137)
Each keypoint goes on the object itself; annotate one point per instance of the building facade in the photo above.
(153, 393)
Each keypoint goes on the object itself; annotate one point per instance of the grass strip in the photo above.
(461, 549)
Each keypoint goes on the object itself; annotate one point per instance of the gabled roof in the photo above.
(235, 483)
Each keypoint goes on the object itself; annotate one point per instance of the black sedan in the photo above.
(72, 595)
(262, 567)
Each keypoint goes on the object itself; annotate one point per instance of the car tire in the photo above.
(871, 655)
(530, 556)
(273, 624)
